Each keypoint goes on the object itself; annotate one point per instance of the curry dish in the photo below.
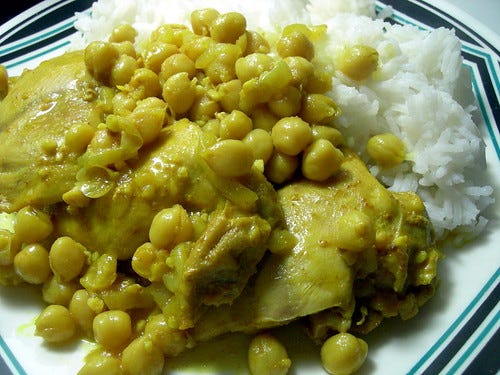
(198, 186)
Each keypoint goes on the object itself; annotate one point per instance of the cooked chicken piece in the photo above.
(348, 229)
(34, 117)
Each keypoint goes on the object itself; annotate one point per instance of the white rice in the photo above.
(420, 92)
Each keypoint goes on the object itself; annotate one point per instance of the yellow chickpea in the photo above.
(100, 58)
(156, 53)
(235, 125)
(123, 70)
(230, 95)
(327, 132)
(177, 63)
(263, 118)
(261, 143)
(321, 160)
(144, 83)
(267, 356)
(122, 33)
(288, 104)
(32, 225)
(202, 19)
(170, 227)
(149, 117)
(295, 43)
(32, 264)
(386, 149)
(301, 69)
(291, 135)
(149, 262)
(112, 329)
(319, 109)
(228, 27)
(252, 66)
(280, 167)
(54, 324)
(179, 92)
(141, 357)
(203, 109)
(78, 137)
(230, 158)
(357, 62)
(81, 312)
(256, 43)
(101, 273)
(343, 354)
(357, 233)
(58, 292)
(170, 341)
(67, 258)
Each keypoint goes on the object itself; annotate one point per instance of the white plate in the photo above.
(456, 332)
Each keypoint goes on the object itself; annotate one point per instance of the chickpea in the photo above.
(32, 225)
(149, 116)
(291, 135)
(267, 356)
(261, 143)
(230, 95)
(123, 104)
(280, 167)
(78, 137)
(101, 274)
(319, 82)
(156, 53)
(321, 160)
(296, 43)
(170, 227)
(252, 66)
(101, 365)
(288, 104)
(356, 231)
(81, 312)
(235, 125)
(170, 341)
(32, 264)
(57, 292)
(144, 83)
(67, 258)
(112, 329)
(228, 27)
(149, 262)
(177, 63)
(256, 43)
(122, 33)
(202, 19)
(263, 118)
(219, 61)
(123, 70)
(301, 69)
(195, 47)
(126, 48)
(386, 149)
(179, 92)
(319, 109)
(54, 324)
(327, 132)
(203, 109)
(357, 62)
(343, 354)
(229, 158)
(4, 82)
(141, 357)
(100, 58)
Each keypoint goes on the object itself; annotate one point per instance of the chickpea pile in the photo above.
(261, 101)
(265, 104)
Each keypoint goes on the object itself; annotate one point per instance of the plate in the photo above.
(456, 332)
